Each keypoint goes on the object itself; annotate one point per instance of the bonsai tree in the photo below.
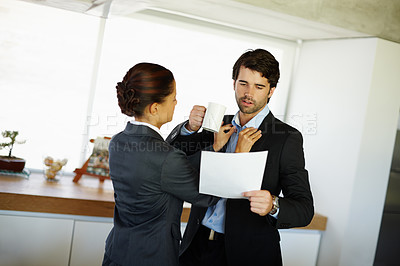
(10, 145)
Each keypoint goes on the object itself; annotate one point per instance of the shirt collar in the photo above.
(254, 122)
(138, 123)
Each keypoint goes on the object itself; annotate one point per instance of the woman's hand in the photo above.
(196, 118)
(222, 137)
(247, 137)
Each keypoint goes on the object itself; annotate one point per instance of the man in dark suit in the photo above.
(245, 231)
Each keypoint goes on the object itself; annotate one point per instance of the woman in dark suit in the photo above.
(151, 179)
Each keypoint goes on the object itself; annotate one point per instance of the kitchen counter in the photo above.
(88, 197)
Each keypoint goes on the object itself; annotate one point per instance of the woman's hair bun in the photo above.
(143, 84)
(126, 98)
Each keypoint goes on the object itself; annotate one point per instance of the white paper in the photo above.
(228, 175)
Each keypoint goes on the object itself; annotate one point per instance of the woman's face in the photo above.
(167, 108)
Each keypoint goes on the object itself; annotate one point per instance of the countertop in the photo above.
(88, 197)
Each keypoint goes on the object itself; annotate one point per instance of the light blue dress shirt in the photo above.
(215, 215)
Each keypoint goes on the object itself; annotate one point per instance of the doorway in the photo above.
(388, 246)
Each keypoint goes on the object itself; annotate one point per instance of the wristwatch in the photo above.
(275, 205)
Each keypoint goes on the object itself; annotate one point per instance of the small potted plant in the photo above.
(11, 163)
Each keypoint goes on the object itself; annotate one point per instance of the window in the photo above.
(46, 67)
(201, 59)
(46, 63)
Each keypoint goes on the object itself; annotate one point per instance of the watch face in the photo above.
(275, 205)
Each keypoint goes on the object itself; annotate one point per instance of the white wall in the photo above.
(350, 89)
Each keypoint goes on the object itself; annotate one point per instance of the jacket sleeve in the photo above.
(181, 179)
(296, 207)
(192, 143)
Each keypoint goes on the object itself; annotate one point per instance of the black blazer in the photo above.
(251, 239)
(151, 180)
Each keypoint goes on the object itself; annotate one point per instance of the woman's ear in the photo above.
(153, 108)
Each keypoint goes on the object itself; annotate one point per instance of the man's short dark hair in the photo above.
(261, 61)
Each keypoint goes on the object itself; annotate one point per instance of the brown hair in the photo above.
(143, 84)
(261, 61)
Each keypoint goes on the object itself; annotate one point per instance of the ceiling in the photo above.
(377, 18)
(289, 20)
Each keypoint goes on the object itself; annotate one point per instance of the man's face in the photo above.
(251, 91)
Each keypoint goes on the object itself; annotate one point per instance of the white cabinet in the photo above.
(43, 239)
(88, 243)
(34, 241)
(300, 247)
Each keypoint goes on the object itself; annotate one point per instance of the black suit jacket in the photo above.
(151, 180)
(251, 239)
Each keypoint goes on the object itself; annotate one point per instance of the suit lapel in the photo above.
(266, 129)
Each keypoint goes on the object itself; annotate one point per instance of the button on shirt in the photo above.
(215, 215)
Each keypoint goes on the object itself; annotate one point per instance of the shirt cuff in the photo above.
(185, 131)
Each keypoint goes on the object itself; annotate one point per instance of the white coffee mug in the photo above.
(213, 118)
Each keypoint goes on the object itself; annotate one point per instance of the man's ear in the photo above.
(153, 108)
(271, 91)
(234, 82)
